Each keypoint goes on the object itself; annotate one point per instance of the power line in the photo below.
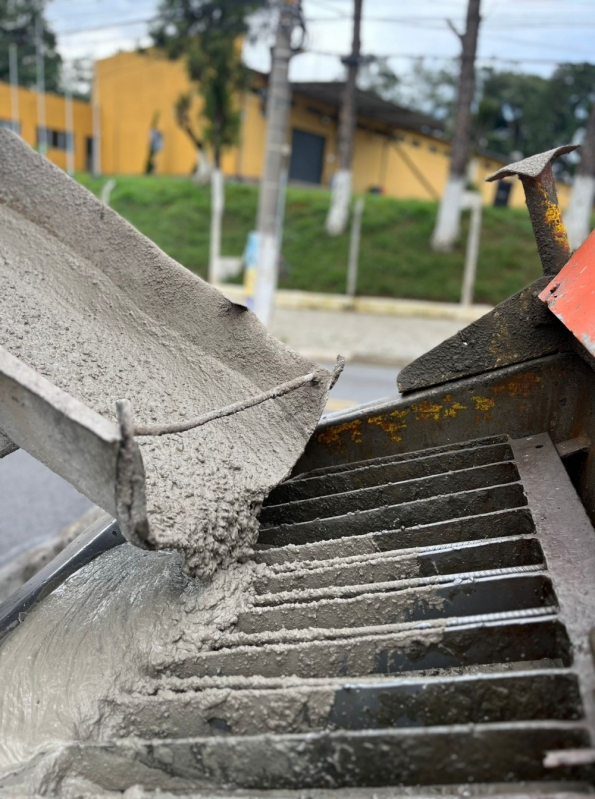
(125, 24)
(422, 56)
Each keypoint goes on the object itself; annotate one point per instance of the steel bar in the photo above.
(389, 493)
(407, 514)
(392, 471)
(395, 457)
(539, 184)
(64, 434)
(463, 595)
(483, 526)
(401, 565)
(568, 540)
(228, 410)
(209, 707)
(437, 647)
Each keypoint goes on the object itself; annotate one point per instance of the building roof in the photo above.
(370, 105)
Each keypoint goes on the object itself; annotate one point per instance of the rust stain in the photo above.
(427, 410)
(518, 386)
(392, 428)
(483, 403)
(435, 411)
(401, 414)
(452, 411)
(332, 435)
(553, 217)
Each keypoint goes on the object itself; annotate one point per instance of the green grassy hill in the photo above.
(395, 256)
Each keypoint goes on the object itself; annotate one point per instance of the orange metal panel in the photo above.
(571, 294)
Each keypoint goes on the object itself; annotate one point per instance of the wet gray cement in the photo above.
(101, 312)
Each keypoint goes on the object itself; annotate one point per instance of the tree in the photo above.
(183, 109)
(17, 26)
(514, 112)
(376, 75)
(448, 221)
(208, 33)
(336, 220)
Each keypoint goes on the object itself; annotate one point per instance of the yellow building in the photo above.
(55, 124)
(398, 152)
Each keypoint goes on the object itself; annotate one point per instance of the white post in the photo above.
(473, 201)
(577, 217)
(278, 105)
(217, 209)
(96, 126)
(42, 133)
(14, 87)
(281, 200)
(356, 226)
(68, 111)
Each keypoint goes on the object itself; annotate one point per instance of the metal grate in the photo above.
(417, 621)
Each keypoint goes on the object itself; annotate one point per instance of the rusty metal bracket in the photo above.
(517, 330)
(539, 185)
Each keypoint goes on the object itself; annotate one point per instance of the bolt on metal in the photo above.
(541, 197)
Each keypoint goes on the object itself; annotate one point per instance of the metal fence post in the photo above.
(356, 225)
(473, 201)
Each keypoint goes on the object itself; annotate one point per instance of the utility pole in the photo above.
(336, 220)
(278, 105)
(69, 122)
(41, 129)
(448, 222)
(578, 215)
(96, 125)
(14, 86)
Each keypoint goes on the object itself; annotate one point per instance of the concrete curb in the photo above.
(306, 300)
(371, 358)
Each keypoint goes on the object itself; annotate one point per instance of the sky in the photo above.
(525, 35)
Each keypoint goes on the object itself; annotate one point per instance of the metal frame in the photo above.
(103, 535)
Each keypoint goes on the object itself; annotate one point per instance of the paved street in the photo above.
(360, 383)
(360, 337)
(36, 503)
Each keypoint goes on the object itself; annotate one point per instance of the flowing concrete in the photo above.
(102, 313)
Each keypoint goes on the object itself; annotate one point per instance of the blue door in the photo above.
(307, 156)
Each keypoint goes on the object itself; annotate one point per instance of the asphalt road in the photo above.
(360, 383)
(35, 503)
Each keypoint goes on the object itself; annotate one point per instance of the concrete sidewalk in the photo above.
(359, 337)
(371, 330)
(377, 306)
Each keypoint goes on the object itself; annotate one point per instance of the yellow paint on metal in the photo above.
(452, 411)
(519, 385)
(553, 217)
(392, 428)
(332, 435)
(483, 403)
(427, 410)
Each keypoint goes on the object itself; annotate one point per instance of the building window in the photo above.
(55, 139)
(10, 125)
